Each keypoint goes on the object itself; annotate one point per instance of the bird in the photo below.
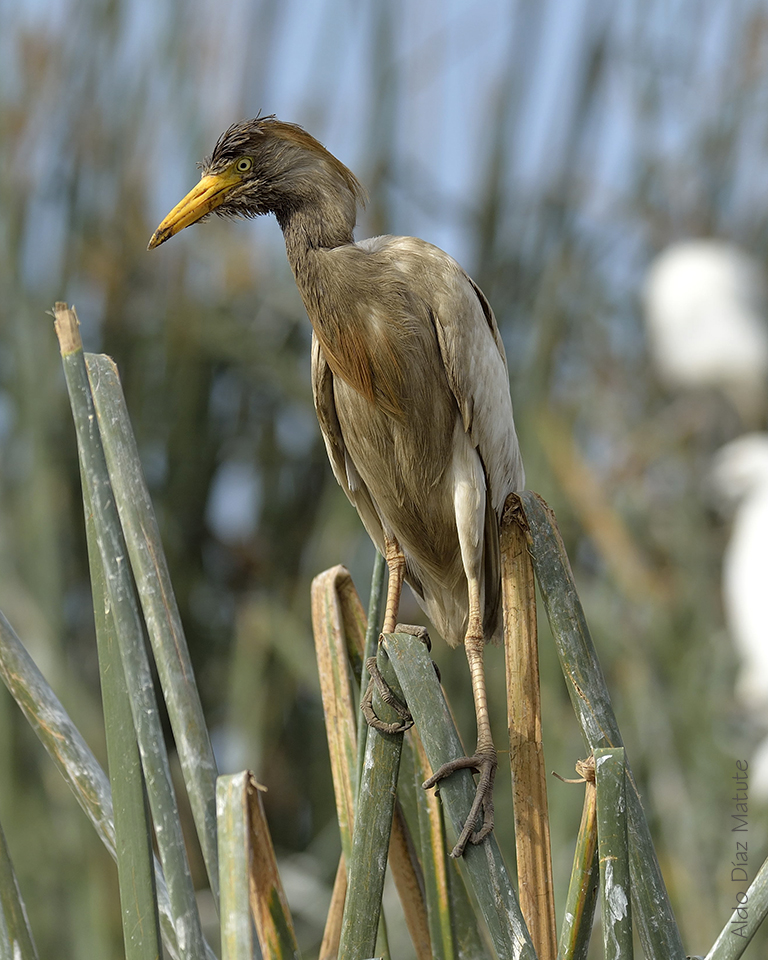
(705, 313)
(739, 478)
(411, 389)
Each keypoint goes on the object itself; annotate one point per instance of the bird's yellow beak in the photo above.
(210, 193)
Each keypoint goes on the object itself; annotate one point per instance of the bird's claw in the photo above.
(484, 764)
(415, 631)
(422, 634)
(389, 697)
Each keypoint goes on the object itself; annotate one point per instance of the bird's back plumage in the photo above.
(420, 336)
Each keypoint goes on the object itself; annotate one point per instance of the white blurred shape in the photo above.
(234, 502)
(741, 476)
(705, 311)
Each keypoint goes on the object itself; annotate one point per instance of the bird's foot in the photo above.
(415, 631)
(421, 633)
(389, 697)
(385, 691)
(484, 763)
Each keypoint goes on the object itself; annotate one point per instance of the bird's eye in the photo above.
(244, 164)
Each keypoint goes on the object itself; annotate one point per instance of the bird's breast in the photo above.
(377, 355)
(404, 461)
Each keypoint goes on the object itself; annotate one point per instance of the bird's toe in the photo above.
(414, 630)
(485, 765)
(389, 697)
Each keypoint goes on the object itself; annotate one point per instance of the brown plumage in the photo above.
(410, 386)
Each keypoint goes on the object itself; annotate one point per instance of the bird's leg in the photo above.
(396, 566)
(484, 760)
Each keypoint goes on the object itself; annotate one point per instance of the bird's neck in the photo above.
(320, 222)
(336, 290)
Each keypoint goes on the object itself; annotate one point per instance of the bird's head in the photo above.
(262, 166)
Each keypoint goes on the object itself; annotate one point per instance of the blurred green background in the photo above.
(554, 147)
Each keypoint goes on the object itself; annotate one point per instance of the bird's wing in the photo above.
(472, 354)
(325, 406)
(341, 463)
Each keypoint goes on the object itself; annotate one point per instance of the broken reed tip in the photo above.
(67, 328)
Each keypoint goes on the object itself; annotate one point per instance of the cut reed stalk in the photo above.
(129, 631)
(591, 702)
(16, 942)
(526, 750)
(582, 891)
(613, 853)
(250, 882)
(133, 826)
(484, 864)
